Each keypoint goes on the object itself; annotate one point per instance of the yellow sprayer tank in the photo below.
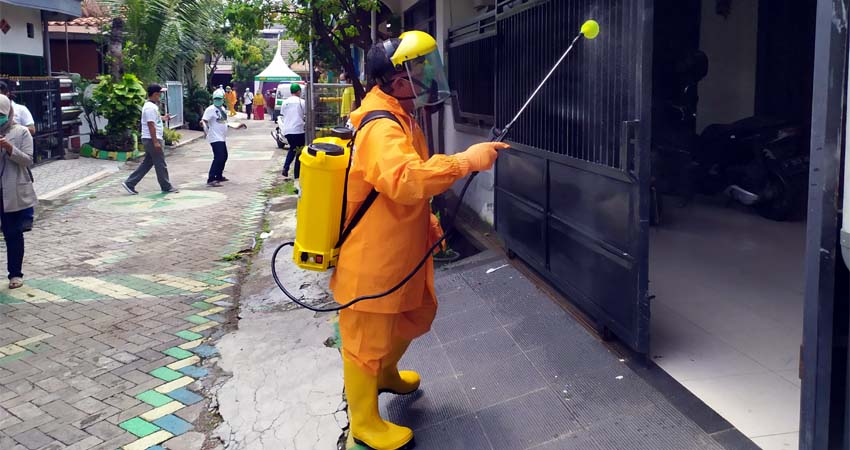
(324, 164)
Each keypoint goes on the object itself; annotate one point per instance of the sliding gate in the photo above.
(572, 194)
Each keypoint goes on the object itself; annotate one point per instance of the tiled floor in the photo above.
(728, 314)
(504, 368)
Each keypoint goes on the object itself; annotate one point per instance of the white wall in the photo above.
(728, 92)
(16, 40)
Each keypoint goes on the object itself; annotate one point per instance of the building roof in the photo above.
(56, 9)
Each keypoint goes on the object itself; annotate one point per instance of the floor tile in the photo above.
(757, 404)
(787, 441)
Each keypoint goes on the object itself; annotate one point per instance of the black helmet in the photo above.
(378, 64)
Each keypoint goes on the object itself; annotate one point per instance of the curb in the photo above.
(56, 193)
(185, 142)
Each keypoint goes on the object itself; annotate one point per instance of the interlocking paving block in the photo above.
(139, 427)
(146, 442)
(173, 424)
(185, 396)
(177, 365)
(194, 372)
(201, 305)
(176, 384)
(178, 353)
(501, 380)
(526, 421)
(205, 351)
(188, 335)
(455, 434)
(154, 398)
(474, 351)
(192, 344)
(162, 411)
(197, 320)
(440, 401)
(166, 374)
(156, 447)
(216, 318)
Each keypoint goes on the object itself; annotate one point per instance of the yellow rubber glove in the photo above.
(435, 233)
(481, 157)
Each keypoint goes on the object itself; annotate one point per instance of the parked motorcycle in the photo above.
(758, 161)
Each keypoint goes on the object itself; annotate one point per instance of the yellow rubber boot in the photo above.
(367, 427)
(394, 381)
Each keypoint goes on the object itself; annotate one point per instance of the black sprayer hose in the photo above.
(398, 286)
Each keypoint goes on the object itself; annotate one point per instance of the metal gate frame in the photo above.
(578, 214)
(824, 418)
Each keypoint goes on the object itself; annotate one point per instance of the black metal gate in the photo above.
(43, 98)
(572, 194)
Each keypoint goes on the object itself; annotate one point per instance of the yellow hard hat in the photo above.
(414, 44)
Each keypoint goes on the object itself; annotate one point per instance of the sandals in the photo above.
(16, 283)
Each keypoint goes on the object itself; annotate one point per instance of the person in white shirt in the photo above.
(291, 119)
(214, 122)
(152, 138)
(23, 116)
(248, 101)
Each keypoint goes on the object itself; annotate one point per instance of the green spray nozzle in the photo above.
(590, 29)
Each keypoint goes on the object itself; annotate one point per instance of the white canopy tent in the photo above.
(276, 72)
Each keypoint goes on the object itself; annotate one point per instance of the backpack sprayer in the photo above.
(321, 211)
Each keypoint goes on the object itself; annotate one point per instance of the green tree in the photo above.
(332, 26)
(249, 57)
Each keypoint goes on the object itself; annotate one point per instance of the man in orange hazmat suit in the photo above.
(404, 75)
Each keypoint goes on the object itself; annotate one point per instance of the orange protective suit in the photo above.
(393, 236)
(230, 98)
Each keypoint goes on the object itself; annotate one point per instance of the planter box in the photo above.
(90, 152)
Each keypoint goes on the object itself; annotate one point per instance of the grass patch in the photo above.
(278, 189)
(231, 257)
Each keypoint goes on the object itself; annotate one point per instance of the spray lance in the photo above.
(333, 154)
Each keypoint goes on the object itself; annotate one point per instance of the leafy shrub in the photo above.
(171, 136)
(121, 104)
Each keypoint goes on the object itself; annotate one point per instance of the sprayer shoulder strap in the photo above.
(373, 194)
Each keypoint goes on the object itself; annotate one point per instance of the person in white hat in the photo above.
(18, 194)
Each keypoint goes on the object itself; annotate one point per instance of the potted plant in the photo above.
(446, 255)
(120, 103)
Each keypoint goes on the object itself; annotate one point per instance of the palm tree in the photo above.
(159, 39)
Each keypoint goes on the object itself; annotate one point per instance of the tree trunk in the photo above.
(116, 47)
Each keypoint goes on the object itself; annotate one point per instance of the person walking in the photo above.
(152, 138)
(292, 113)
(248, 101)
(214, 123)
(230, 99)
(18, 195)
(259, 106)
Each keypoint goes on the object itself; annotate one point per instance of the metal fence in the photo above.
(584, 107)
(43, 98)
(325, 108)
(471, 60)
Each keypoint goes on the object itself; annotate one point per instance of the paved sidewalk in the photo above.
(107, 344)
(51, 178)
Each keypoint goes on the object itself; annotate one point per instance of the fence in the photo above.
(326, 111)
(43, 98)
(471, 66)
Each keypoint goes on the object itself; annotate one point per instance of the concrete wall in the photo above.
(16, 40)
(728, 92)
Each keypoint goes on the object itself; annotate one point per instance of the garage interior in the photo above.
(727, 283)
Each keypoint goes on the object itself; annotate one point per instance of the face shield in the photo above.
(428, 77)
